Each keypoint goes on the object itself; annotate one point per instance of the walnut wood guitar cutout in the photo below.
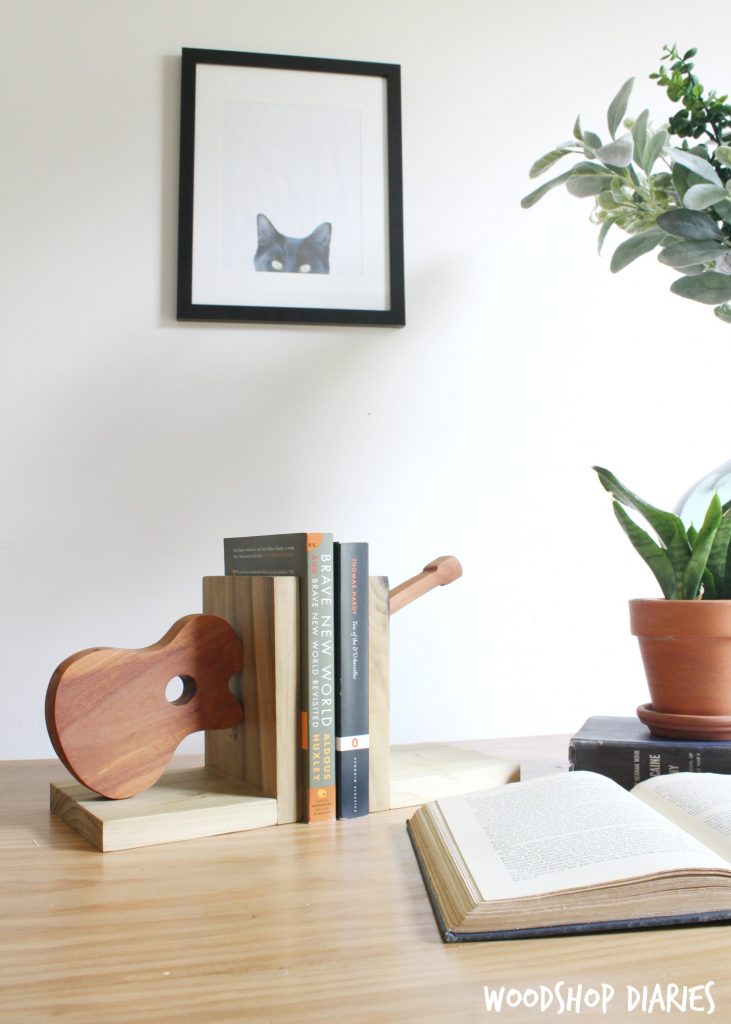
(108, 715)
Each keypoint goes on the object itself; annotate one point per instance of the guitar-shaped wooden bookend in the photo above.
(437, 573)
(108, 715)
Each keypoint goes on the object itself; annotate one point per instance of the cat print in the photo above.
(278, 252)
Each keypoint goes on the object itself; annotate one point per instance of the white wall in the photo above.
(133, 444)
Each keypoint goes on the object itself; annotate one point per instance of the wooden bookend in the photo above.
(262, 753)
(108, 715)
(379, 781)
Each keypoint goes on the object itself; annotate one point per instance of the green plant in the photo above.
(700, 115)
(687, 563)
(676, 198)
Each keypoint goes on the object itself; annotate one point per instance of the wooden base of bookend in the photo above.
(183, 804)
(421, 772)
(262, 753)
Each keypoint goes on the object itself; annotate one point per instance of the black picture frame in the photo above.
(247, 121)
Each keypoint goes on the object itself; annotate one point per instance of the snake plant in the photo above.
(688, 564)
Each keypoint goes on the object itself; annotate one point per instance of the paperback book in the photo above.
(351, 679)
(624, 750)
(310, 557)
(577, 853)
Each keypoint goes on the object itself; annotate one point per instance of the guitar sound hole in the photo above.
(180, 690)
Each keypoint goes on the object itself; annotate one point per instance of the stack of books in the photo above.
(333, 585)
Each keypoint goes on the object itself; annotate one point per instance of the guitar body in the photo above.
(108, 715)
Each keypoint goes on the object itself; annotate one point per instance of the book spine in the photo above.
(318, 682)
(631, 762)
(351, 704)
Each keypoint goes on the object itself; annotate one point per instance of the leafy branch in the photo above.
(674, 198)
(700, 115)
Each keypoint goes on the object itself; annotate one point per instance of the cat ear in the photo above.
(321, 234)
(265, 229)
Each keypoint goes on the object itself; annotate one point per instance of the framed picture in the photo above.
(291, 206)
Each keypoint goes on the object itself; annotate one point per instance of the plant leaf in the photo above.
(688, 224)
(719, 558)
(680, 177)
(655, 556)
(665, 524)
(723, 155)
(635, 246)
(585, 167)
(653, 149)
(723, 313)
(688, 253)
(583, 185)
(701, 550)
(639, 134)
(541, 165)
(703, 168)
(708, 287)
(723, 209)
(700, 197)
(533, 198)
(603, 234)
(618, 107)
(619, 153)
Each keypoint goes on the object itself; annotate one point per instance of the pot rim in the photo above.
(663, 617)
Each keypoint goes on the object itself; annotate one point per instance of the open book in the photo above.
(577, 852)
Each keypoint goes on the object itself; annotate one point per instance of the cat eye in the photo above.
(305, 268)
(277, 265)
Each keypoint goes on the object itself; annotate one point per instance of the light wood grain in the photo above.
(182, 805)
(283, 925)
(421, 772)
(378, 694)
(262, 752)
(438, 573)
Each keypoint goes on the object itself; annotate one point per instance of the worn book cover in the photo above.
(625, 750)
(351, 676)
(310, 557)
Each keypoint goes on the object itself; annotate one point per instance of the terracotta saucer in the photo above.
(685, 727)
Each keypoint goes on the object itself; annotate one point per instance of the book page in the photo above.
(561, 832)
(699, 802)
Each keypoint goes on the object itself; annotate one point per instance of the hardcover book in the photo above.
(310, 557)
(577, 853)
(351, 679)
(624, 750)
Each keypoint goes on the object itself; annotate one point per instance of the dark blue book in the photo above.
(351, 679)
(625, 750)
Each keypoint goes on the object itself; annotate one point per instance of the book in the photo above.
(576, 852)
(310, 557)
(625, 750)
(351, 679)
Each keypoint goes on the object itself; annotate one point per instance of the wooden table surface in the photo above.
(289, 923)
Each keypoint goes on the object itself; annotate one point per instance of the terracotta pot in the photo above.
(686, 651)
